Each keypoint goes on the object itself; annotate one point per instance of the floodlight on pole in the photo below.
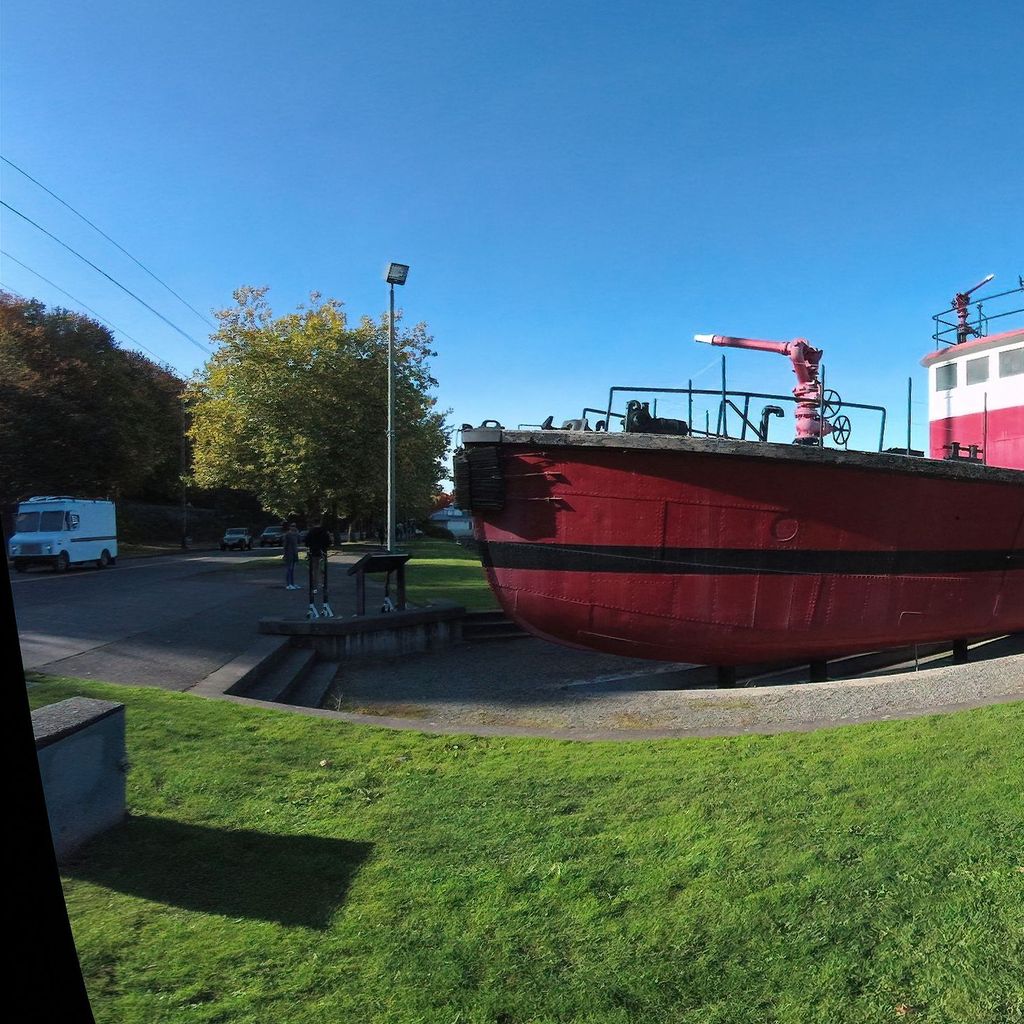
(396, 274)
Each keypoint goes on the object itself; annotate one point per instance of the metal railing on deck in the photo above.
(947, 331)
(738, 402)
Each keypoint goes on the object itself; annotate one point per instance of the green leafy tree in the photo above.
(294, 409)
(78, 414)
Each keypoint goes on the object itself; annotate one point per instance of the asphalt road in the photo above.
(167, 621)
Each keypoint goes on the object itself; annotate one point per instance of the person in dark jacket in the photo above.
(319, 539)
(290, 545)
(318, 543)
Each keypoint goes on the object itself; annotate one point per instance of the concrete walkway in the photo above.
(165, 621)
(531, 688)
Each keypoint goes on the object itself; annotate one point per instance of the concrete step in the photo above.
(309, 690)
(485, 616)
(273, 683)
(236, 675)
(489, 625)
(487, 636)
(494, 626)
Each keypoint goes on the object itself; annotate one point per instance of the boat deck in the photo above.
(788, 453)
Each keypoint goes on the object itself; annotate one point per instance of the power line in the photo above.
(188, 337)
(113, 327)
(82, 216)
(4, 252)
(13, 291)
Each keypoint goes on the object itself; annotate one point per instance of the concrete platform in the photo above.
(411, 631)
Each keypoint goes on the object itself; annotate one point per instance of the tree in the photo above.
(295, 410)
(78, 413)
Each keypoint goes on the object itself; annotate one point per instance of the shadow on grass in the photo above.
(293, 880)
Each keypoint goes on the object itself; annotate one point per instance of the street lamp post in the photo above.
(184, 470)
(396, 274)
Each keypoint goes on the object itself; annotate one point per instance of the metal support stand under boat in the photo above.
(726, 676)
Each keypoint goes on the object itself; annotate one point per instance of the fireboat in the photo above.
(705, 542)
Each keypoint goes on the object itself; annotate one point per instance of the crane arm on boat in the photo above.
(811, 425)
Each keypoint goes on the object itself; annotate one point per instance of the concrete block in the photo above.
(80, 743)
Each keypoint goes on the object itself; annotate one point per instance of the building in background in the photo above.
(454, 519)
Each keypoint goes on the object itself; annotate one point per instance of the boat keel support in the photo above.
(726, 676)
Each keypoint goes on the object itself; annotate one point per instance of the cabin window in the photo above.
(51, 522)
(27, 522)
(945, 377)
(977, 370)
(1011, 363)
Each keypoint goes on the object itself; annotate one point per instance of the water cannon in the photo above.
(971, 291)
(960, 303)
(811, 425)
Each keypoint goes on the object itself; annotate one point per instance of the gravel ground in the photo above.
(529, 687)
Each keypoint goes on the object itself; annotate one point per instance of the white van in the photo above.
(63, 531)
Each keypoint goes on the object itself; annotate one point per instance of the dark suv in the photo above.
(238, 538)
(272, 537)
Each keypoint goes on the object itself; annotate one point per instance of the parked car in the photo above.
(272, 537)
(238, 538)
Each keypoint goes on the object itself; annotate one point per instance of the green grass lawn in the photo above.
(442, 569)
(283, 868)
(438, 570)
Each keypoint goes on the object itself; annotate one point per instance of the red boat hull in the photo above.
(727, 553)
(999, 432)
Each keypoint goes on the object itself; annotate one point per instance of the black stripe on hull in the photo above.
(739, 561)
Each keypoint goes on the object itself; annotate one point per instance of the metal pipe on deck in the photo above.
(811, 425)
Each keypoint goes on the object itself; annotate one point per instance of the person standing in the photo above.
(318, 543)
(290, 544)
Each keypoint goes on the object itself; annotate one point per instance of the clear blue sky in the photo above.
(578, 187)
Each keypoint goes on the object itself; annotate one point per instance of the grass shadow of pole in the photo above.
(291, 880)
